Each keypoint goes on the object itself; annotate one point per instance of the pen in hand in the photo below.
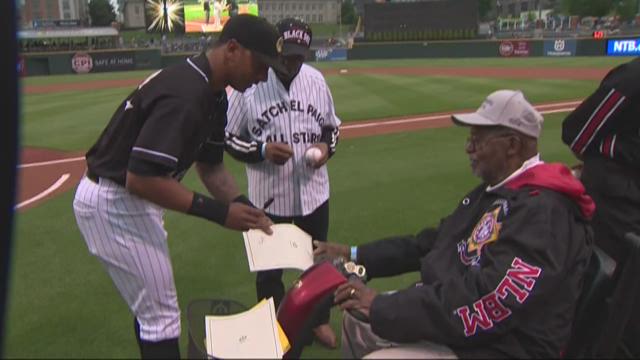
(267, 203)
(264, 208)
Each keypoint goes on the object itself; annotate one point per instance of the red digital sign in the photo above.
(598, 34)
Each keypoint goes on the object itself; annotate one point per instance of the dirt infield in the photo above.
(493, 72)
(46, 173)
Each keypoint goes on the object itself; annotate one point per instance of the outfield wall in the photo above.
(489, 48)
(82, 62)
(133, 59)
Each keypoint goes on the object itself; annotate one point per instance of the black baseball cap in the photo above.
(297, 36)
(255, 34)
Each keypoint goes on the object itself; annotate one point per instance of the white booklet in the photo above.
(288, 247)
(253, 334)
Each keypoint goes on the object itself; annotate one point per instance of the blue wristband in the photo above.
(263, 150)
(354, 253)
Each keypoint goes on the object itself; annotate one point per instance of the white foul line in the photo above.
(570, 103)
(51, 189)
(52, 162)
(557, 111)
(429, 118)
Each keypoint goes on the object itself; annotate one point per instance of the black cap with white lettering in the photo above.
(297, 36)
(255, 34)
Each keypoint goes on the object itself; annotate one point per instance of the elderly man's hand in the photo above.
(331, 250)
(355, 295)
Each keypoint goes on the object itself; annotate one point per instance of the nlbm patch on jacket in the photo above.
(485, 232)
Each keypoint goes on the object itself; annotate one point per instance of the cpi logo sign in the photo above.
(506, 48)
(81, 63)
(514, 48)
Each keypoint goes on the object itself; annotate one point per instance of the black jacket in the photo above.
(500, 275)
(607, 123)
(604, 131)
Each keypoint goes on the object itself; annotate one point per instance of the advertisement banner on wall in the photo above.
(82, 62)
(623, 47)
(560, 47)
(514, 48)
(331, 54)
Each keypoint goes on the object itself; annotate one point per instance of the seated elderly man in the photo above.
(500, 276)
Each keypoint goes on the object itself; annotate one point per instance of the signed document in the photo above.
(287, 248)
(253, 334)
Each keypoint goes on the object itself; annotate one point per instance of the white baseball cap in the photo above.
(506, 108)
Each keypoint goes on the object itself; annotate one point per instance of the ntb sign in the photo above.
(623, 47)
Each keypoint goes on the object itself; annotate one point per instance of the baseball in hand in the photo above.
(312, 156)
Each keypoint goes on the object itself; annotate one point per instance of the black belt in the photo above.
(92, 176)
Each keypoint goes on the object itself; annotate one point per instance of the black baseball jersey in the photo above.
(607, 123)
(169, 121)
(500, 276)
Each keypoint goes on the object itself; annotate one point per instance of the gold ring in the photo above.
(352, 292)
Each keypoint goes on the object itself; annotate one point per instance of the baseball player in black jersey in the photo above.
(501, 275)
(275, 127)
(604, 131)
(175, 118)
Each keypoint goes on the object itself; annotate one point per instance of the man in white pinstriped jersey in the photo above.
(174, 118)
(270, 127)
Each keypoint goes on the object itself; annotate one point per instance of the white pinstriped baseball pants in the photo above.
(127, 235)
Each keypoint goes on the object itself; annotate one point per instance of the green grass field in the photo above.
(62, 303)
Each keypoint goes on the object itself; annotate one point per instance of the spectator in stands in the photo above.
(164, 43)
